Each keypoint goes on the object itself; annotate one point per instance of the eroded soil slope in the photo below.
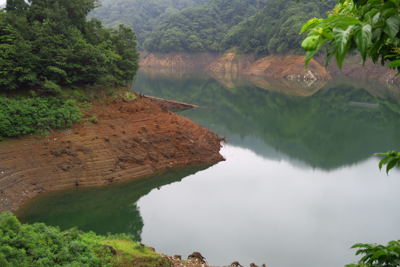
(352, 66)
(130, 139)
(177, 60)
(231, 63)
(287, 66)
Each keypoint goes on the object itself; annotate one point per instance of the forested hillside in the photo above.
(141, 15)
(201, 28)
(276, 28)
(47, 44)
(50, 42)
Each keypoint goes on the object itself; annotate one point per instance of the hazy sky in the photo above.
(2, 2)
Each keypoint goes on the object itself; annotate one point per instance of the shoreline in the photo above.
(286, 65)
(131, 139)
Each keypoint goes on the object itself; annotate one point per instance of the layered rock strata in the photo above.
(129, 140)
(177, 60)
(231, 63)
(287, 66)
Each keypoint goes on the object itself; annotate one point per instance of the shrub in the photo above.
(36, 115)
(378, 255)
(41, 245)
(94, 119)
(50, 87)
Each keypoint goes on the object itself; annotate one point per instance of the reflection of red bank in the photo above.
(287, 66)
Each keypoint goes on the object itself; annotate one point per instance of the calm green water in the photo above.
(299, 187)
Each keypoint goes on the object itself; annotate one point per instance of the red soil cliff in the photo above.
(130, 139)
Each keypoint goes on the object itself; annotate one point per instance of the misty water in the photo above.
(300, 184)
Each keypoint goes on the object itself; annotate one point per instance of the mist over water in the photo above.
(299, 187)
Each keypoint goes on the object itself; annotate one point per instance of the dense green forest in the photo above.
(276, 28)
(47, 44)
(201, 28)
(258, 26)
(50, 42)
(141, 15)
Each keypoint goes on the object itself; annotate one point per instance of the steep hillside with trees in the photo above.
(276, 28)
(141, 15)
(47, 44)
(50, 43)
(201, 28)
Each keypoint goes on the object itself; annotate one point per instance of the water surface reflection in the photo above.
(300, 185)
(102, 209)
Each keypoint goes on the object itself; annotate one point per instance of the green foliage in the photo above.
(36, 115)
(275, 29)
(201, 28)
(391, 160)
(94, 119)
(50, 87)
(378, 255)
(41, 245)
(141, 15)
(370, 26)
(50, 43)
(128, 96)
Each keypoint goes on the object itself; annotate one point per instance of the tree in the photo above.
(50, 42)
(16, 6)
(371, 26)
(275, 29)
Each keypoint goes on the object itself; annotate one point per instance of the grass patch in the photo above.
(129, 252)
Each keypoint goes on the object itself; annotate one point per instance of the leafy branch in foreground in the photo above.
(378, 255)
(392, 159)
(372, 26)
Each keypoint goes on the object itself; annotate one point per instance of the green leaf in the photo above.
(330, 51)
(311, 53)
(395, 63)
(343, 22)
(358, 245)
(381, 163)
(375, 19)
(388, 5)
(391, 26)
(391, 164)
(362, 37)
(394, 253)
(374, 52)
(389, 12)
(310, 24)
(378, 254)
(342, 38)
(310, 42)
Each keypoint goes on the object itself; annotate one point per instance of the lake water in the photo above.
(300, 184)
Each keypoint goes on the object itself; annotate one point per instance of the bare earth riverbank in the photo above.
(129, 140)
(276, 65)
